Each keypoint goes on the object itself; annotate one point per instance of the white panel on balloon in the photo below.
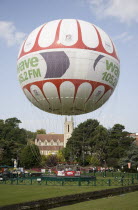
(68, 32)
(89, 34)
(37, 93)
(104, 98)
(67, 91)
(106, 41)
(82, 95)
(31, 39)
(31, 98)
(48, 33)
(51, 94)
(96, 95)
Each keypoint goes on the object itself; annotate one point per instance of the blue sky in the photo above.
(119, 19)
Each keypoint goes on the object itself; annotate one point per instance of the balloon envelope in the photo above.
(68, 67)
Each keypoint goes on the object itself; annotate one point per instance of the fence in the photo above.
(70, 181)
(114, 174)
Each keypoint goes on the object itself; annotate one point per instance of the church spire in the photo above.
(68, 129)
(71, 118)
(66, 119)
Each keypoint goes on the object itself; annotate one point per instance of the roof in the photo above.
(135, 135)
(50, 137)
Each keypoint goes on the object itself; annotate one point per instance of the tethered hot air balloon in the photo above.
(68, 67)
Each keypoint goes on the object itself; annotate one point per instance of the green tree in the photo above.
(66, 153)
(88, 138)
(10, 131)
(6, 158)
(30, 135)
(41, 131)
(93, 160)
(131, 157)
(12, 139)
(92, 138)
(30, 156)
(51, 160)
(13, 122)
(60, 156)
(100, 140)
(1, 128)
(118, 145)
(1, 155)
(43, 160)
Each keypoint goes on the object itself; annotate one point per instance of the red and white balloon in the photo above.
(68, 67)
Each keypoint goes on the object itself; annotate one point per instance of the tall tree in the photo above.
(131, 157)
(101, 139)
(93, 160)
(12, 139)
(30, 156)
(90, 139)
(10, 131)
(13, 122)
(51, 160)
(118, 145)
(87, 139)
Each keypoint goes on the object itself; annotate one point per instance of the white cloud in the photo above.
(9, 33)
(125, 10)
(124, 37)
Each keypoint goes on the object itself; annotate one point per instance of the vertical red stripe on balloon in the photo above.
(55, 44)
(36, 47)
(100, 47)
(31, 94)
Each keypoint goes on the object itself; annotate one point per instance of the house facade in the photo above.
(51, 143)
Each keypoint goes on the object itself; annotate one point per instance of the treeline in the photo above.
(93, 144)
(90, 144)
(12, 140)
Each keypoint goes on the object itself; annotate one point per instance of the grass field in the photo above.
(11, 194)
(127, 201)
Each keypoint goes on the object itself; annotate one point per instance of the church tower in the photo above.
(68, 129)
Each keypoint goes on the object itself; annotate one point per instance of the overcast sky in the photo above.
(118, 18)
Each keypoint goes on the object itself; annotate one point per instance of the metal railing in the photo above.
(70, 181)
(113, 174)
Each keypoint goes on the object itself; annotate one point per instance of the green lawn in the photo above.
(127, 201)
(10, 194)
